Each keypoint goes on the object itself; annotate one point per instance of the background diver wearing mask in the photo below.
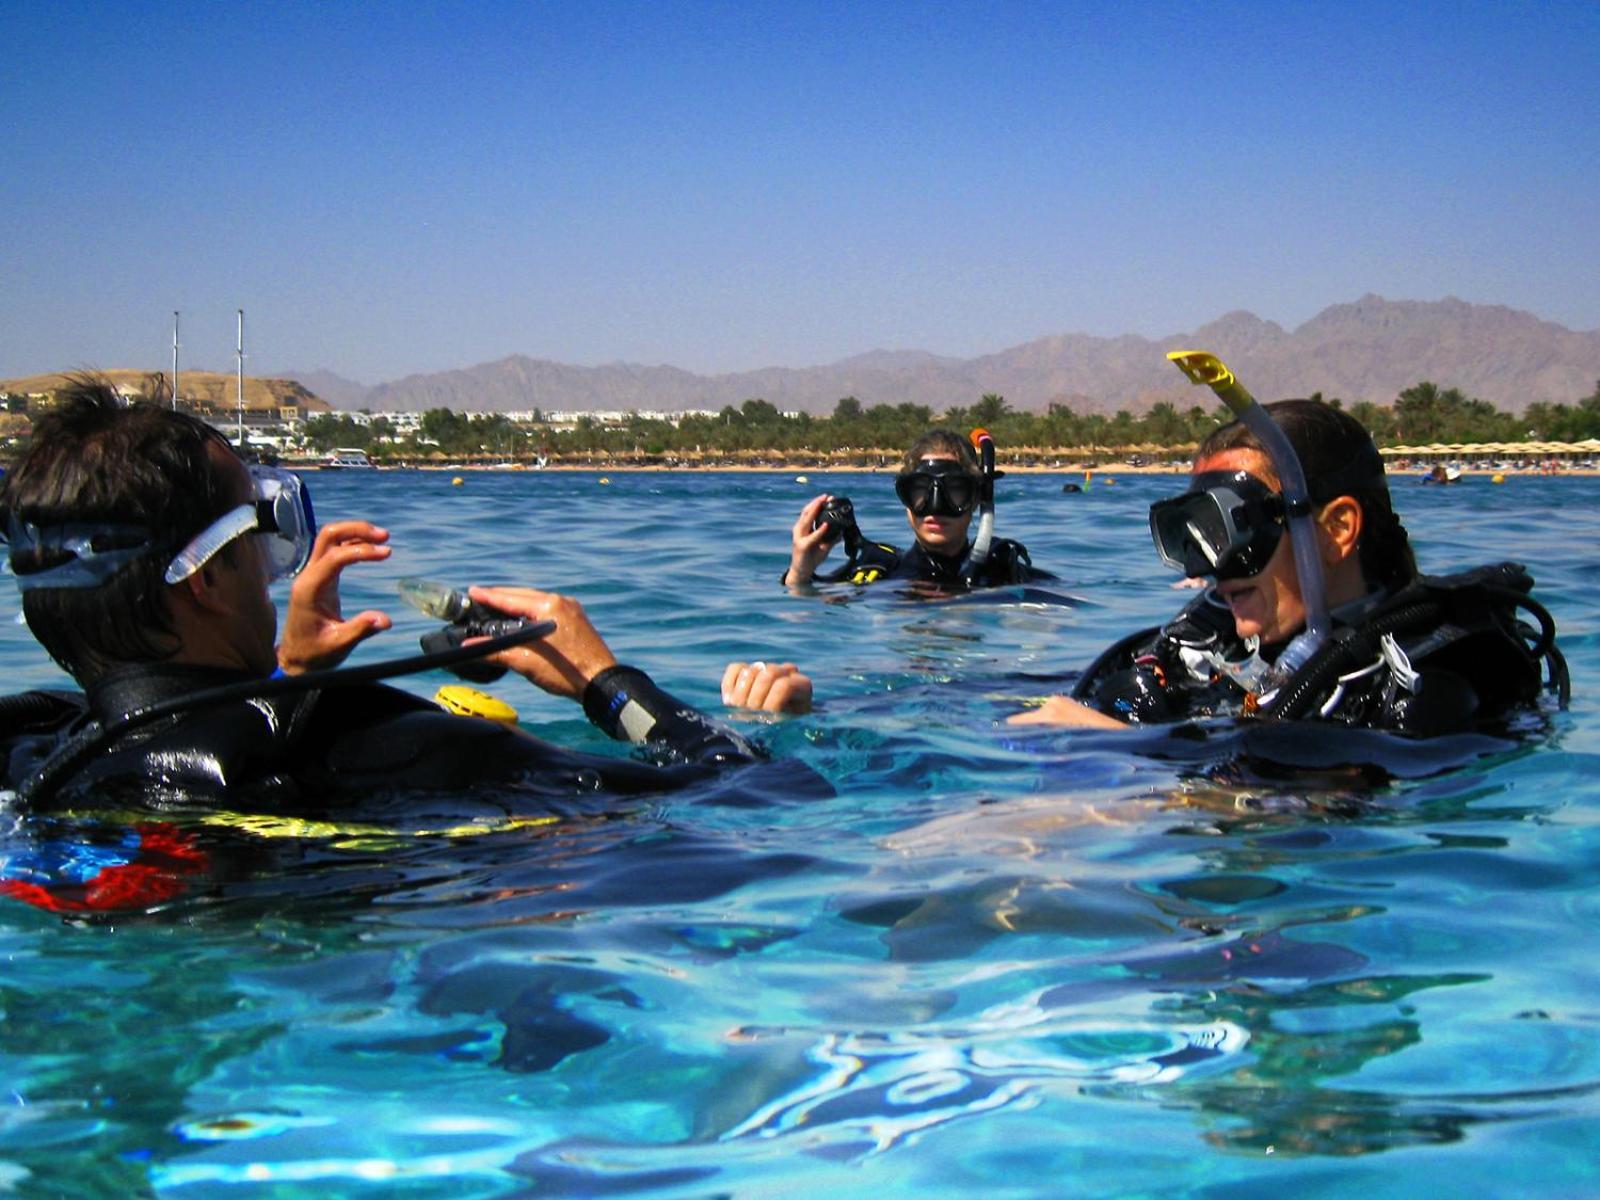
(127, 529)
(942, 484)
(1406, 652)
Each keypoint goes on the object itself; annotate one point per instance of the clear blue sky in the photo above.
(388, 188)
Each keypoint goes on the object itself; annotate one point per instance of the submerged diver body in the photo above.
(143, 548)
(1332, 622)
(942, 483)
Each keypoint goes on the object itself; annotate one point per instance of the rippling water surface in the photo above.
(991, 964)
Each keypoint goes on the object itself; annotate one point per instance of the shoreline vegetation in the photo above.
(1097, 471)
(1424, 427)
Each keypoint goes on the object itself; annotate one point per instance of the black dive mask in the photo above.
(941, 486)
(1226, 526)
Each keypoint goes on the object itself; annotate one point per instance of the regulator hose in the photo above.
(1354, 646)
(1342, 651)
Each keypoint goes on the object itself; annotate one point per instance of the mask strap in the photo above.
(210, 541)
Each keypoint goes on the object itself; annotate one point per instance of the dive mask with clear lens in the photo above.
(279, 510)
(941, 486)
(1226, 526)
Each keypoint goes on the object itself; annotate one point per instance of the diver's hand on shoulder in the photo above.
(767, 687)
(316, 636)
(561, 663)
(1064, 710)
(809, 546)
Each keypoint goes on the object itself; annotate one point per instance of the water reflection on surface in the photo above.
(1207, 961)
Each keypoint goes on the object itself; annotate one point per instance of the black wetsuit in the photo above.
(1441, 655)
(319, 751)
(1008, 563)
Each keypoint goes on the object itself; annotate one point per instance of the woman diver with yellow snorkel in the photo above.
(1330, 622)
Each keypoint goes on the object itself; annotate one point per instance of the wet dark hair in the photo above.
(942, 443)
(96, 459)
(1339, 458)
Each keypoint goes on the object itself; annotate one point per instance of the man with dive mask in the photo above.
(278, 513)
(942, 486)
(144, 549)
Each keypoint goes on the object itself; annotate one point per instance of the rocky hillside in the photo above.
(207, 387)
(1368, 350)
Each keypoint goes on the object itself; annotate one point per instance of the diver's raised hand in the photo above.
(561, 663)
(767, 687)
(316, 635)
(809, 546)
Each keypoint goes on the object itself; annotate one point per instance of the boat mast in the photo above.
(241, 379)
(174, 360)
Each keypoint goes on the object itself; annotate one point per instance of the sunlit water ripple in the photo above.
(990, 964)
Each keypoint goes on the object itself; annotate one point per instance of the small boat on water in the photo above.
(510, 465)
(349, 460)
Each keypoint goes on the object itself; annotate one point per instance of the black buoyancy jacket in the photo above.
(308, 751)
(1440, 655)
(1008, 563)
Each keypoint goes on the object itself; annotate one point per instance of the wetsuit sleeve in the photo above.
(627, 704)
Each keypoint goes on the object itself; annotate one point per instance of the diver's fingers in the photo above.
(563, 662)
(340, 533)
(521, 601)
(364, 624)
(335, 558)
(814, 547)
(317, 645)
(737, 682)
(740, 681)
(730, 681)
(337, 546)
(808, 515)
(761, 681)
(768, 687)
(790, 693)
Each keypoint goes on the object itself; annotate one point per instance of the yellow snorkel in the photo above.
(1204, 368)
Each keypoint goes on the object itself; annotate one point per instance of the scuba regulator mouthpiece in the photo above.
(465, 619)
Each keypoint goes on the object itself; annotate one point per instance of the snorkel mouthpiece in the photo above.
(1204, 368)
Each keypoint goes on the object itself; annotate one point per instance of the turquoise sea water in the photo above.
(992, 964)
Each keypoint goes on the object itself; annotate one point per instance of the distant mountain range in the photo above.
(1369, 350)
